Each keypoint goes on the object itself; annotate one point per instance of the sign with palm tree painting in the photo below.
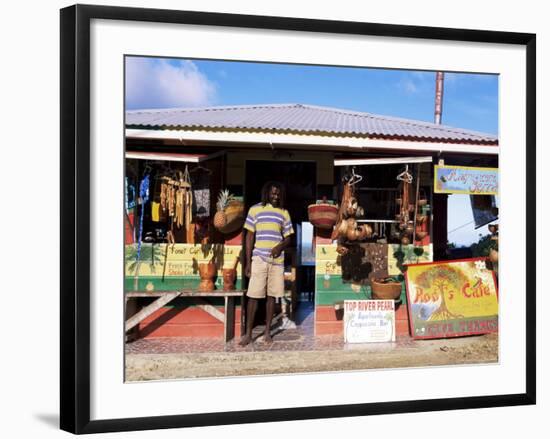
(166, 267)
(451, 298)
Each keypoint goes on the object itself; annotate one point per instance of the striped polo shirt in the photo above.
(271, 225)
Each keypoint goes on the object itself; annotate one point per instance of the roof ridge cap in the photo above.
(210, 108)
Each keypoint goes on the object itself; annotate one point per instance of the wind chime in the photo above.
(405, 224)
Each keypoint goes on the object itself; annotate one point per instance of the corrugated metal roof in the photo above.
(304, 119)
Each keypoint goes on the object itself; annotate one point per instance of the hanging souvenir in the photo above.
(348, 209)
(155, 211)
(201, 192)
(406, 226)
(143, 198)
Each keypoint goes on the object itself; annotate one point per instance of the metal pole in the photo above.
(439, 77)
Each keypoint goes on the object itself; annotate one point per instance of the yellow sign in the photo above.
(326, 260)
(465, 180)
(451, 298)
(179, 259)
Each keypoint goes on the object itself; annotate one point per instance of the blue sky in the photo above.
(470, 101)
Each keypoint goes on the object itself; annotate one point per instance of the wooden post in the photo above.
(439, 211)
(229, 323)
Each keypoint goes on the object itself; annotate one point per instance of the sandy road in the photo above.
(467, 350)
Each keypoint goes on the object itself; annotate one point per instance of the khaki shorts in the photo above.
(265, 276)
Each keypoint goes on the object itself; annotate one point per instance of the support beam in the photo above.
(210, 309)
(150, 309)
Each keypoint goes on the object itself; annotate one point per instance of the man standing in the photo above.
(268, 227)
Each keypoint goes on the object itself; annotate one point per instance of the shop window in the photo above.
(378, 191)
(306, 251)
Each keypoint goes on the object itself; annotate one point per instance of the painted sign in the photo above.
(451, 298)
(369, 321)
(179, 259)
(465, 180)
(327, 260)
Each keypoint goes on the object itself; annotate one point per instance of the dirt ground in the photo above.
(465, 350)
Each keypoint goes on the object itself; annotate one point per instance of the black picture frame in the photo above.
(75, 218)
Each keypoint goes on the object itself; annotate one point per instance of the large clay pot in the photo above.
(229, 276)
(493, 255)
(207, 272)
(385, 290)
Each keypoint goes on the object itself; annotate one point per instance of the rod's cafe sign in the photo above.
(451, 298)
(465, 180)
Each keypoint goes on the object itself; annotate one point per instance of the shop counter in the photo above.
(164, 297)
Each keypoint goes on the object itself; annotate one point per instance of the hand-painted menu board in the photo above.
(465, 180)
(369, 321)
(451, 299)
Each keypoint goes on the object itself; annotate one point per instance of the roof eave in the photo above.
(288, 138)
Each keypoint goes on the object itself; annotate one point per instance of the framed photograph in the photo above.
(273, 218)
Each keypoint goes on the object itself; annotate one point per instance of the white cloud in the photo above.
(415, 82)
(157, 83)
(408, 85)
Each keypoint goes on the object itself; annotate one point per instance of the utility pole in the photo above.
(439, 76)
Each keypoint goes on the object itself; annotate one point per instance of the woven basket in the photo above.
(322, 215)
(234, 212)
(385, 291)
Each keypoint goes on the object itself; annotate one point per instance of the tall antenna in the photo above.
(439, 76)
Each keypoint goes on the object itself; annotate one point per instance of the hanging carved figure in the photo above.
(405, 224)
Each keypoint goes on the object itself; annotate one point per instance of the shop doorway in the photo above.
(299, 179)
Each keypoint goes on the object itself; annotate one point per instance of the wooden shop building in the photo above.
(311, 150)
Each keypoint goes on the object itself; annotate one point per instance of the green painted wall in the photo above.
(333, 290)
(156, 283)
